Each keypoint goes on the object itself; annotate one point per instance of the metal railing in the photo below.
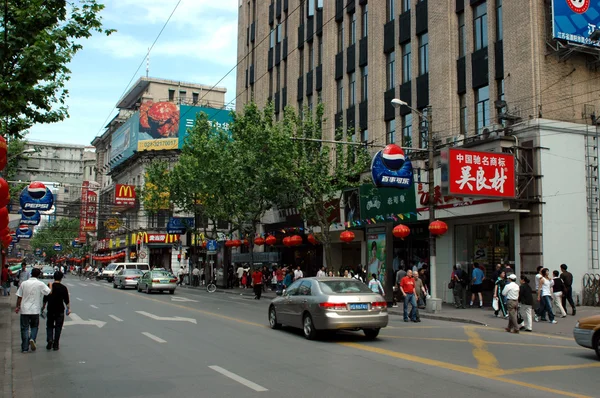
(591, 290)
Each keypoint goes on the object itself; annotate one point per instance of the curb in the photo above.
(425, 315)
(231, 291)
(7, 377)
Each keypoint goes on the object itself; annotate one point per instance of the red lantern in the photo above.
(287, 241)
(228, 243)
(347, 236)
(245, 242)
(296, 240)
(3, 217)
(259, 241)
(5, 231)
(6, 241)
(3, 153)
(438, 228)
(271, 240)
(237, 243)
(204, 244)
(401, 231)
(311, 239)
(4, 193)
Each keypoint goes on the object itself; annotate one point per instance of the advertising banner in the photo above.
(24, 232)
(158, 126)
(376, 203)
(124, 141)
(30, 217)
(376, 256)
(36, 196)
(88, 211)
(576, 20)
(179, 225)
(219, 119)
(125, 195)
(391, 168)
(472, 173)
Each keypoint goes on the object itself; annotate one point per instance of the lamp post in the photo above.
(433, 304)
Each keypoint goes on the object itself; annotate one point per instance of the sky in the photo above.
(199, 45)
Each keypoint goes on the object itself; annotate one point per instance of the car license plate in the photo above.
(164, 281)
(359, 307)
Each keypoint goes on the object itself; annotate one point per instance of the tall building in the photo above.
(490, 75)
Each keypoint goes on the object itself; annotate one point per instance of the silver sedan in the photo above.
(127, 278)
(320, 304)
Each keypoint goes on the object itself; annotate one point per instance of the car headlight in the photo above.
(577, 324)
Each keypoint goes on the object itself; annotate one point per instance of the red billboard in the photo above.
(88, 211)
(125, 195)
(473, 173)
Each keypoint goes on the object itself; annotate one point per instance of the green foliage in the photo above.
(155, 193)
(15, 148)
(38, 39)
(63, 231)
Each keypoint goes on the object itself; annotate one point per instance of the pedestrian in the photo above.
(56, 301)
(407, 287)
(180, 274)
(6, 279)
(458, 290)
(498, 288)
(244, 279)
(538, 276)
(558, 288)
(196, 276)
(375, 285)
(419, 292)
(22, 274)
(567, 279)
(477, 277)
(279, 272)
(30, 295)
(240, 273)
(526, 300)
(321, 272)
(298, 274)
(545, 297)
(511, 292)
(257, 279)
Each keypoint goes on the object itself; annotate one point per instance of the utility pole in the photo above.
(433, 304)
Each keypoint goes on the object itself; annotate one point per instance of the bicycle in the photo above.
(211, 287)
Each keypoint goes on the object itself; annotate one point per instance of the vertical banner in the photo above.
(88, 211)
(376, 254)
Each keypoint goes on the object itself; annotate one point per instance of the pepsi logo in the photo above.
(36, 190)
(23, 229)
(393, 157)
(28, 213)
(579, 6)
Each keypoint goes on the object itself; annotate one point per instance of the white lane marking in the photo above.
(116, 318)
(153, 337)
(82, 284)
(78, 299)
(183, 299)
(69, 284)
(93, 306)
(166, 318)
(76, 320)
(239, 379)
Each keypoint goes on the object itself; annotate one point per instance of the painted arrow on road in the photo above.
(183, 299)
(167, 318)
(76, 320)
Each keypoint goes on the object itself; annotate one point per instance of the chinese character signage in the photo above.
(385, 204)
(575, 20)
(471, 173)
(125, 195)
(390, 168)
(88, 211)
(179, 225)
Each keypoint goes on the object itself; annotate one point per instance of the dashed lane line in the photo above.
(116, 318)
(238, 378)
(153, 337)
(78, 299)
(93, 306)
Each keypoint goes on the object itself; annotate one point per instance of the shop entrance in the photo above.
(412, 250)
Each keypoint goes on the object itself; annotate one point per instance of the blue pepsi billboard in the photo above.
(575, 20)
(124, 141)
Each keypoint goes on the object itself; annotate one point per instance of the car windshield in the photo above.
(344, 287)
(47, 269)
(133, 272)
(160, 274)
(111, 267)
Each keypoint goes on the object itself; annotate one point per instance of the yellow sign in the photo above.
(158, 145)
(112, 224)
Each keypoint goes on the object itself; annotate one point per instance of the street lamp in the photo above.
(433, 304)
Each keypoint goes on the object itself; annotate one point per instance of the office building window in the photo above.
(352, 90)
(320, 50)
(364, 135)
(310, 104)
(482, 107)
(279, 33)
(278, 86)
(301, 15)
(340, 38)
(423, 54)
(195, 97)
(364, 83)
(480, 26)
(390, 128)
(352, 29)
(272, 38)
(389, 10)
(320, 4)
(406, 5)
(171, 94)
(391, 70)
(310, 4)
(462, 38)
(365, 20)
(340, 96)
(499, 26)
(311, 57)
(407, 121)
(406, 69)
(271, 84)
(301, 62)
(462, 101)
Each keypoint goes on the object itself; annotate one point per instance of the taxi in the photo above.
(157, 281)
(587, 333)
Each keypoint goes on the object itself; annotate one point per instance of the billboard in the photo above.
(87, 211)
(125, 195)
(472, 173)
(124, 140)
(390, 168)
(159, 126)
(218, 118)
(575, 20)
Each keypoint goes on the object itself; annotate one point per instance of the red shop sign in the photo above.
(473, 173)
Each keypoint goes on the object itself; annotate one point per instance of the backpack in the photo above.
(463, 278)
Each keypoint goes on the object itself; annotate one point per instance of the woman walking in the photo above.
(500, 283)
(558, 288)
(545, 297)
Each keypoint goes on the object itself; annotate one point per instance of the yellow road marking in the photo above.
(458, 368)
(487, 342)
(551, 368)
(549, 336)
(486, 361)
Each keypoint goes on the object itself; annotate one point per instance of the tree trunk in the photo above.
(326, 240)
(251, 244)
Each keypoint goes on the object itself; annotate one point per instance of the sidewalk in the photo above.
(6, 320)
(475, 316)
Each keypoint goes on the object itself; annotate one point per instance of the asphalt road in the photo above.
(129, 344)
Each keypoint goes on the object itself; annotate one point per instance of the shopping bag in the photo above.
(495, 304)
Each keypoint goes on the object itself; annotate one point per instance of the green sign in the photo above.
(387, 204)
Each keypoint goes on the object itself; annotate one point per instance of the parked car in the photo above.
(587, 333)
(329, 304)
(127, 278)
(157, 281)
(111, 269)
(47, 272)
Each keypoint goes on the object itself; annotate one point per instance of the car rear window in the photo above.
(161, 274)
(133, 272)
(344, 287)
(143, 267)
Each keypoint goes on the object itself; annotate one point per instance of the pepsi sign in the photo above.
(36, 196)
(77, 244)
(30, 217)
(57, 247)
(38, 252)
(24, 232)
(15, 237)
(391, 168)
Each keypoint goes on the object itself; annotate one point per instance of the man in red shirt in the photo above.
(257, 280)
(407, 286)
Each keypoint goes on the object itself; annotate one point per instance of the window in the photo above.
(340, 38)
(271, 84)
(364, 135)
(171, 94)
(320, 51)
(278, 79)
(406, 72)
(480, 26)
(406, 5)
(320, 4)
(390, 128)
(391, 70)
(311, 58)
(272, 38)
(195, 98)
(340, 96)
(301, 15)
(301, 61)
(423, 54)
(462, 101)
(310, 104)
(389, 9)
(407, 130)
(311, 7)
(279, 33)
(499, 27)
(365, 20)
(352, 90)
(364, 84)
(462, 39)
(353, 30)
(482, 110)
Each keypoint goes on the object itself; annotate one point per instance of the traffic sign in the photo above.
(211, 247)
(142, 254)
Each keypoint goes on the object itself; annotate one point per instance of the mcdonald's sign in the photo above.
(157, 238)
(125, 195)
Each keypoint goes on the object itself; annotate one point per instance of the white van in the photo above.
(111, 269)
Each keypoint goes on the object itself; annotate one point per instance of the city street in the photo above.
(129, 344)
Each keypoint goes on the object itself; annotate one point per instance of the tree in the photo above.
(62, 231)
(15, 148)
(38, 39)
(155, 192)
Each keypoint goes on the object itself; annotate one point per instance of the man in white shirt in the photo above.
(196, 276)
(298, 274)
(321, 272)
(30, 296)
(511, 291)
